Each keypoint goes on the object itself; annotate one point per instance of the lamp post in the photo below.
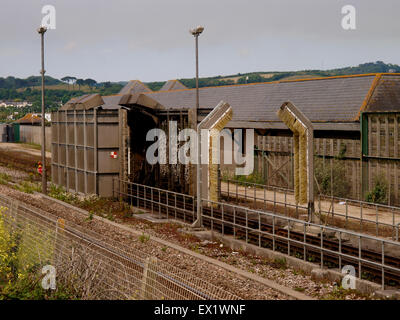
(196, 32)
(42, 31)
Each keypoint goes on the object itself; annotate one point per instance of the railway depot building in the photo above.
(100, 139)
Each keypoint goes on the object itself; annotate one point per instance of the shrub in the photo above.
(28, 187)
(379, 193)
(9, 242)
(251, 178)
(25, 248)
(341, 186)
(58, 192)
(4, 178)
(144, 238)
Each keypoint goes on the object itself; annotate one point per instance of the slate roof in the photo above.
(386, 96)
(85, 102)
(335, 99)
(134, 86)
(172, 85)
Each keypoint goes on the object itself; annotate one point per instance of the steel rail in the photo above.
(247, 228)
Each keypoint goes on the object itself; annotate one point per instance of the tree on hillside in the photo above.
(80, 82)
(90, 83)
(73, 81)
(67, 80)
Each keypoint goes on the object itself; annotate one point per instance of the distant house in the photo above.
(30, 119)
(16, 104)
(47, 116)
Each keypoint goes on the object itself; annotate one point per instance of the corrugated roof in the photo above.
(336, 99)
(135, 86)
(172, 85)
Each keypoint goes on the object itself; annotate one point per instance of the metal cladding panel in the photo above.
(82, 146)
(62, 159)
(90, 183)
(62, 172)
(54, 153)
(108, 164)
(90, 159)
(61, 128)
(80, 158)
(80, 138)
(106, 185)
(90, 135)
(54, 132)
(71, 156)
(71, 179)
(81, 181)
(71, 133)
(108, 136)
(54, 174)
(54, 116)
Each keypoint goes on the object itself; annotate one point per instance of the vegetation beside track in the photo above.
(123, 213)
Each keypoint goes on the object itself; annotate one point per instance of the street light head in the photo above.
(42, 30)
(197, 31)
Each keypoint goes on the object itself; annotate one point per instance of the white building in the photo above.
(16, 104)
(47, 116)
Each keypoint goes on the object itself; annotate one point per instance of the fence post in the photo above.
(148, 280)
(60, 226)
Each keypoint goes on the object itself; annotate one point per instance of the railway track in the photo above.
(321, 249)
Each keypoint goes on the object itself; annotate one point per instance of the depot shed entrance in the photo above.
(100, 142)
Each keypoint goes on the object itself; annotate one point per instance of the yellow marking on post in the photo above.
(61, 223)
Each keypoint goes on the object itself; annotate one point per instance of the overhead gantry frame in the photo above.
(303, 140)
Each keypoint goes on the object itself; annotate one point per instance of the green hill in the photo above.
(256, 77)
(58, 91)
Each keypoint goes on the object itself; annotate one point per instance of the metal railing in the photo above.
(166, 203)
(329, 246)
(365, 216)
(372, 257)
(96, 266)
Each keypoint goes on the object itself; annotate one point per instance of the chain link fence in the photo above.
(95, 267)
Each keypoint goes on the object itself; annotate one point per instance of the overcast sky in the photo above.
(149, 39)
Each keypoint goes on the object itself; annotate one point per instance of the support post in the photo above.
(42, 31)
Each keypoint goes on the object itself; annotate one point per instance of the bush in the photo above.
(341, 186)
(59, 192)
(9, 242)
(28, 187)
(379, 194)
(242, 180)
(25, 248)
(28, 287)
(4, 178)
